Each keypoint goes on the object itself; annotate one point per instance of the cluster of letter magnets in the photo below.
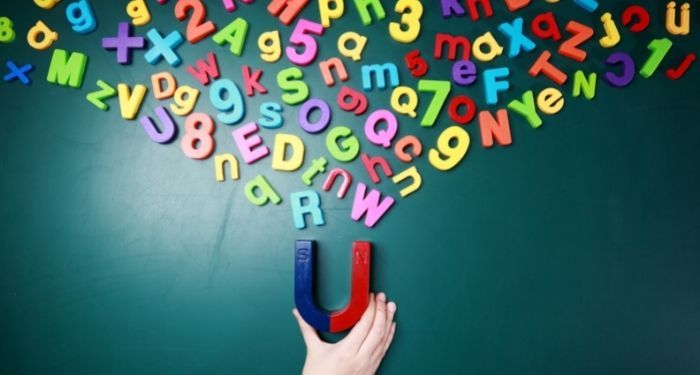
(381, 126)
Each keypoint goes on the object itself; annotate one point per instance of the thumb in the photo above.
(307, 332)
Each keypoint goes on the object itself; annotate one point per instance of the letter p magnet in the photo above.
(343, 319)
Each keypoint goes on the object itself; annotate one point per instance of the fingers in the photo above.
(391, 311)
(379, 327)
(389, 339)
(391, 308)
(307, 332)
(381, 349)
(359, 332)
(392, 327)
(381, 352)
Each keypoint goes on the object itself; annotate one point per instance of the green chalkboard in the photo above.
(575, 250)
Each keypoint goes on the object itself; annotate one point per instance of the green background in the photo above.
(573, 251)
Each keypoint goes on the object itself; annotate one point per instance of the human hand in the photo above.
(361, 351)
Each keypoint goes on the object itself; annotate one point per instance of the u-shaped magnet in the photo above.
(345, 318)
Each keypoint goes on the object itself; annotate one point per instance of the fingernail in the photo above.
(381, 297)
(392, 306)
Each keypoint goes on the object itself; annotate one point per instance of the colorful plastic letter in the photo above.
(385, 136)
(220, 164)
(672, 25)
(279, 160)
(345, 151)
(380, 72)
(514, 5)
(589, 5)
(494, 50)
(138, 11)
(587, 86)
(356, 52)
(370, 205)
(123, 43)
(627, 69)
(67, 69)
(81, 17)
(411, 173)
(545, 26)
(518, 41)
(251, 81)
(371, 164)
(403, 144)
(492, 128)
(569, 47)
(234, 34)
(185, 99)
(97, 98)
(271, 115)
(492, 85)
(157, 83)
(48, 36)
(344, 186)
(542, 65)
(266, 192)
(272, 51)
(453, 42)
(408, 107)
(363, 9)
(312, 207)
(638, 13)
(168, 130)
(230, 5)
(464, 72)
(448, 8)
(317, 166)
(550, 101)
(326, 68)
(305, 114)
(205, 71)
(526, 108)
(327, 13)
(249, 143)
(676, 73)
(358, 102)
(290, 81)
(286, 10)
(46, 4)
(612, 35)
(130, 102)
(459, 101)
(474, 11)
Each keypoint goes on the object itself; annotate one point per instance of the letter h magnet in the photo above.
(320, 319)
